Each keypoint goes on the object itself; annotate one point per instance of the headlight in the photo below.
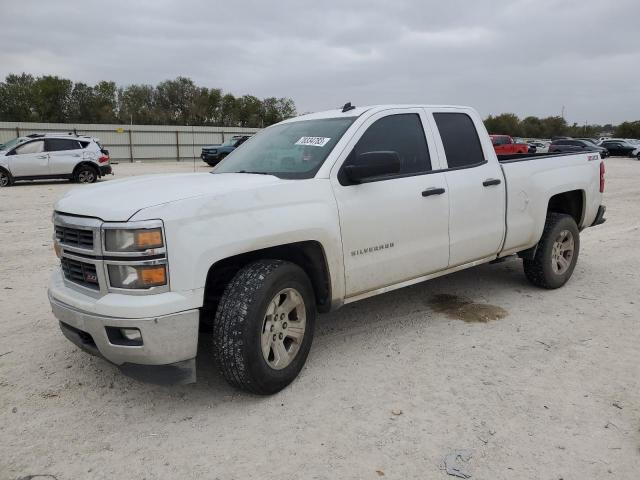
(137, 276)
(139, 240)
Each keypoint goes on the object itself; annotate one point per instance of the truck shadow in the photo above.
(464, 295)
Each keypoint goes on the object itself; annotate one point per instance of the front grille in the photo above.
(80, 272)
(75, 237)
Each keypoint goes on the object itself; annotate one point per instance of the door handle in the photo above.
(491, 181)
(41, 156)
(76, 154)
(432, 191)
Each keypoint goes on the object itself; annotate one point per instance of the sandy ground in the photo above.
(393, 384)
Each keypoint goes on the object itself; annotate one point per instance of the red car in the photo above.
(504, 145)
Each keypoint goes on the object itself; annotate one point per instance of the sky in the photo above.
(529, 57)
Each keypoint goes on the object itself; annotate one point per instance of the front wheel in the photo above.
(5, 178)
(264, 325)
(557, 253)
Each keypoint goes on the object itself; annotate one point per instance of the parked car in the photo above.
(313, 213)
(42, 156)
(540, 147)
(621, 147)
(213, 154)
(505, 145)
(575, 145)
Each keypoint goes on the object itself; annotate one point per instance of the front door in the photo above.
(29, 160)
(394, 228)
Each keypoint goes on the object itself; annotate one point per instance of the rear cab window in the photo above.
(460, 140)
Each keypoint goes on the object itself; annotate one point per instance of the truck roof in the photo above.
(357, 111)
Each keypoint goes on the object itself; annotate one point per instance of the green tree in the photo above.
(628, 130)
(81, 102)
(229, 111)
(105, 102)
(51, 96)
(171, 102)
(135, 104)
(16, 98)
(505, 124)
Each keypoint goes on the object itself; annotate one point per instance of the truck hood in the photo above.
(119, 200)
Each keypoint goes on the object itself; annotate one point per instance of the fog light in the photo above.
(132, 334)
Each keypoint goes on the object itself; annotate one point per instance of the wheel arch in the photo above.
(571, 202)
(6, 170)
(308, 255)
(87, 164)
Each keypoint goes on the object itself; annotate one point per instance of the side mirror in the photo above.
(373, 164)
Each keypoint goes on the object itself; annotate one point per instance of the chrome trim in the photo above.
(137, 291)
(144, 224)
(79, 223)
(95, 255)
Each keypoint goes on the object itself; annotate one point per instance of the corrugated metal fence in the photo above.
(129, 143)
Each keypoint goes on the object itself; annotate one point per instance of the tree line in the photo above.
(51, 99)
(549, 127)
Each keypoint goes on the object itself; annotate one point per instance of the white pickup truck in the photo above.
(308, 215)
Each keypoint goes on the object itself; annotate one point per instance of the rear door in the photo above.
(476, 188)
(64, 155)
(29, 160)
(394, 228)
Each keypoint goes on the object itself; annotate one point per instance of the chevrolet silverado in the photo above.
(310, 214)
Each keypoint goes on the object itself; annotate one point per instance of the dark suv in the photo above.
(212, 154)
(566, 145)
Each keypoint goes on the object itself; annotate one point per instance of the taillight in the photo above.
(103, 159)
(601, 177)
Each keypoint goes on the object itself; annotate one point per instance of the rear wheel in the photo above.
(5, 178)
(557, 253)
(85, 174)
(264, 325)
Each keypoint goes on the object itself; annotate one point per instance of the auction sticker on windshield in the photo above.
(313, 141)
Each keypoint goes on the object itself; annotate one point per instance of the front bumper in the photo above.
(210, 159)
(166, 355)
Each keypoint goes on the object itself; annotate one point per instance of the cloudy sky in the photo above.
(531, 57)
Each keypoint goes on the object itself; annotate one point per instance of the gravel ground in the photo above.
(548, 389)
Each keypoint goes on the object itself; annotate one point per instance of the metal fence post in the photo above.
(130, 148)
(18, 132)
(178, 145)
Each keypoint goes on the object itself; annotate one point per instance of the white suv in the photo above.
(78, 158)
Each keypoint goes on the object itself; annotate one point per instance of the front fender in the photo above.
(204, 230)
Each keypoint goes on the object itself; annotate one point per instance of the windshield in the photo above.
(231, 142)
(12, 143)
(288, 150)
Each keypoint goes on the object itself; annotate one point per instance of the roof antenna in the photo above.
(347, 107)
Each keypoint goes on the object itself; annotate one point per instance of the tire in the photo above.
(557, 253)
(6, 180)
(244, 328)
(85, 174)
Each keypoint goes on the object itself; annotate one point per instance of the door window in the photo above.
(60, 144)
(402, 134)
(460, 139)
(36, 146)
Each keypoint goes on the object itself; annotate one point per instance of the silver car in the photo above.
(78, 158)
